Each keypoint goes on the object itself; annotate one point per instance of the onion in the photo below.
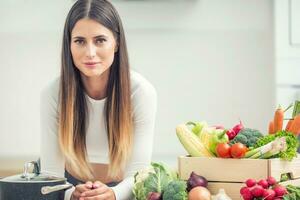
(199, 193)
(196, 180)
(154, 196)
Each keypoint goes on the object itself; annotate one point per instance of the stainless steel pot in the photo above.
(33, 186)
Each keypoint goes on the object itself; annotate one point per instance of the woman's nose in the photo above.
(91, 50)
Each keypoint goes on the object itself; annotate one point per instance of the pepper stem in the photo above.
(191, 123)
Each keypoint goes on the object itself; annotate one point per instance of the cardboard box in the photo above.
(231, 173)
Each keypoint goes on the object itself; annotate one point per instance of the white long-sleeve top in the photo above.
(144, 100)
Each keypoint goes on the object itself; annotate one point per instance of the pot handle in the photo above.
(36, 169)
(49, 189)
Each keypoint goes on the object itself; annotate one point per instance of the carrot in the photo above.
(288, 126)
(271, 127)
(278, 119)
(295, 127)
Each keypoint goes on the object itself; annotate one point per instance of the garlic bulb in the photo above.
(221, 195)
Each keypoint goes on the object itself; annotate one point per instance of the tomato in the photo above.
(223, 150)
(238, 150)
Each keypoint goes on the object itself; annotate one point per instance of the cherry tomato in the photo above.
(238, 150)
(223, 150)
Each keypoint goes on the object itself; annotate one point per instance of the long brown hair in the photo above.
(72, 103)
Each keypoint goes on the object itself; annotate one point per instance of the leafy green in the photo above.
(284, 177)
(139, 191)
(175, 190)
(247, 137)
(290, 196)
(293, 193)
(291, 140)
(296, 108)
(153, 179)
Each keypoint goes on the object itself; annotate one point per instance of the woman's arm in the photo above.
(144, 101)
(52, 160)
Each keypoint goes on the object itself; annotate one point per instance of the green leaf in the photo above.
(290, 196)
(155, 180)
(296, 108)
(291, 140)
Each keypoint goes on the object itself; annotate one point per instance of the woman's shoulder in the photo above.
(144, 98)
(140, 85)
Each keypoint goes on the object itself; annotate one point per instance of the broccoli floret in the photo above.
(175, 190)
(247, 137)
(241, 138)
(256, 133)
(253, 140)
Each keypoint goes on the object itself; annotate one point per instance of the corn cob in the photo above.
(191, 142)
(205, 137)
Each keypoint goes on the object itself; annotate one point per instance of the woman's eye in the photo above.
(100, 41)
(80, 42)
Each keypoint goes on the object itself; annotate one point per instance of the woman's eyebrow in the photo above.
(78, 37)
(98, 36)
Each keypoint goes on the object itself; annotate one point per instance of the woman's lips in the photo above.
(91, 64)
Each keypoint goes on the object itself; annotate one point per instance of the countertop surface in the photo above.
(11, 165)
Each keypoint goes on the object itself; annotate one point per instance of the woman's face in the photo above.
(92, 47)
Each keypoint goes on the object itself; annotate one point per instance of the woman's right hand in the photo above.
(80, 188)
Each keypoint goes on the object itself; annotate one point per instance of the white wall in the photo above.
(208, 59)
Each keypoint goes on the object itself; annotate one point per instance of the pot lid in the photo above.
(33, 178)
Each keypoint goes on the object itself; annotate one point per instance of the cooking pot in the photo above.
(33, 186)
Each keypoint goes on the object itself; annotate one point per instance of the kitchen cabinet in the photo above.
(287, 29)
(287, 50)
(295, 22)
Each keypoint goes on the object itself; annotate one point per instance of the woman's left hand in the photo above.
(100, 191)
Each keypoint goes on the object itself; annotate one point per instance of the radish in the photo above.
(244, 190)
(247, 196)
(246, 193)
(250, 182)
(264, 183)
(280, 190)
(257, 191)
(238, 127)
(269, 194)
(231, 134)
(271, 180)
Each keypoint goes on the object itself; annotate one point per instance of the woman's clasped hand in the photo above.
(93, 191)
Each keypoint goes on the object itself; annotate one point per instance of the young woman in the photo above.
(97, 119)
